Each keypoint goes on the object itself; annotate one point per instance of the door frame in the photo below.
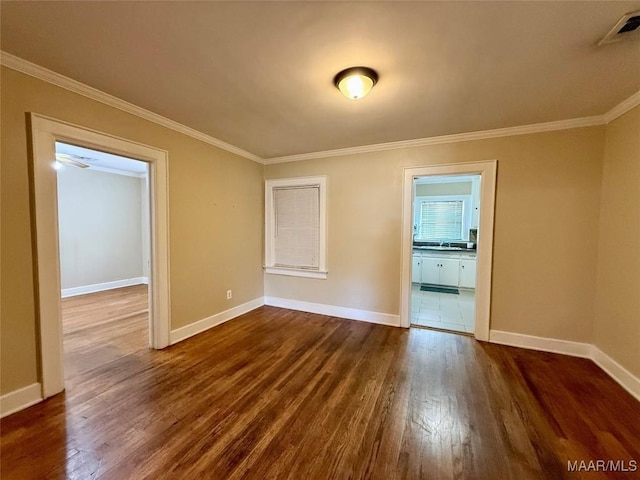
(488, 171)
(45, 131)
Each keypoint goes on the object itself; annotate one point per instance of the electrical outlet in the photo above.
(229, 294)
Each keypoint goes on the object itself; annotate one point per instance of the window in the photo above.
(295, 227)
(441, 218)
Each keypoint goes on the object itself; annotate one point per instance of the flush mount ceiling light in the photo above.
(355, 82)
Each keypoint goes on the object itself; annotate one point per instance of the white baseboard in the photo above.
(20, 399)
(99, 287)
(624, 377)
(200, 326)
(334, 311)
(544, 344)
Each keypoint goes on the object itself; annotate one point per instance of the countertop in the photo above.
(445, 250)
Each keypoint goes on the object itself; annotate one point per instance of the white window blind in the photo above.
(297, 226)
(441, 220)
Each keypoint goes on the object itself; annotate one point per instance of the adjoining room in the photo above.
(104, 233)
(443, 268)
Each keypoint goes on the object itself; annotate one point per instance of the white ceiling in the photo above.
(103, 161)
(258, 75)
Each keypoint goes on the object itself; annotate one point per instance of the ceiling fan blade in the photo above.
(67, 160)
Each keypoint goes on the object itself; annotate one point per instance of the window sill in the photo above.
(295, 272)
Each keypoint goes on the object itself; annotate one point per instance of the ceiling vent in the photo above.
(627, 28)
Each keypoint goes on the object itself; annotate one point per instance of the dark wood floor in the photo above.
(282, 394)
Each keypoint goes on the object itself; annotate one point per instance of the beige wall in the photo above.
(215, 206)
(547, 204)
(617, 319)
(100, 227)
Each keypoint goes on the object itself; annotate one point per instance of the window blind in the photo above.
(441, 220)
(297, 226)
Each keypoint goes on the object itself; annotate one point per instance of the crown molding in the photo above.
(622, 108)
(454, 138)
(116, 171)
(28, 68)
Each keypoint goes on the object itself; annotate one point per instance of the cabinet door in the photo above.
(468, 273)
(416, 269)
(431, 270)
(449, 271)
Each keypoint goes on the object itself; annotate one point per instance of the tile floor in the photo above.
(443, 310)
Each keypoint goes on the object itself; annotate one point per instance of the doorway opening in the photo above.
(45, 133)
(104, 247)
(443, 267)
(446, 262)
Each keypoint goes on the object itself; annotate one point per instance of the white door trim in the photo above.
(488, 170)
(45, 132)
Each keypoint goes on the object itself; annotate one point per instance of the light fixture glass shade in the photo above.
(355, 86)
(356, 82)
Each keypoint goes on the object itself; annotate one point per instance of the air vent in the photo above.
(627, 28)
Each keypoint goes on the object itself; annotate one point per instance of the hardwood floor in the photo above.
(283, 394)
(103, 327)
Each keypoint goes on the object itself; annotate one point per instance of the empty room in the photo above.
(103, 239)
(322, 240)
